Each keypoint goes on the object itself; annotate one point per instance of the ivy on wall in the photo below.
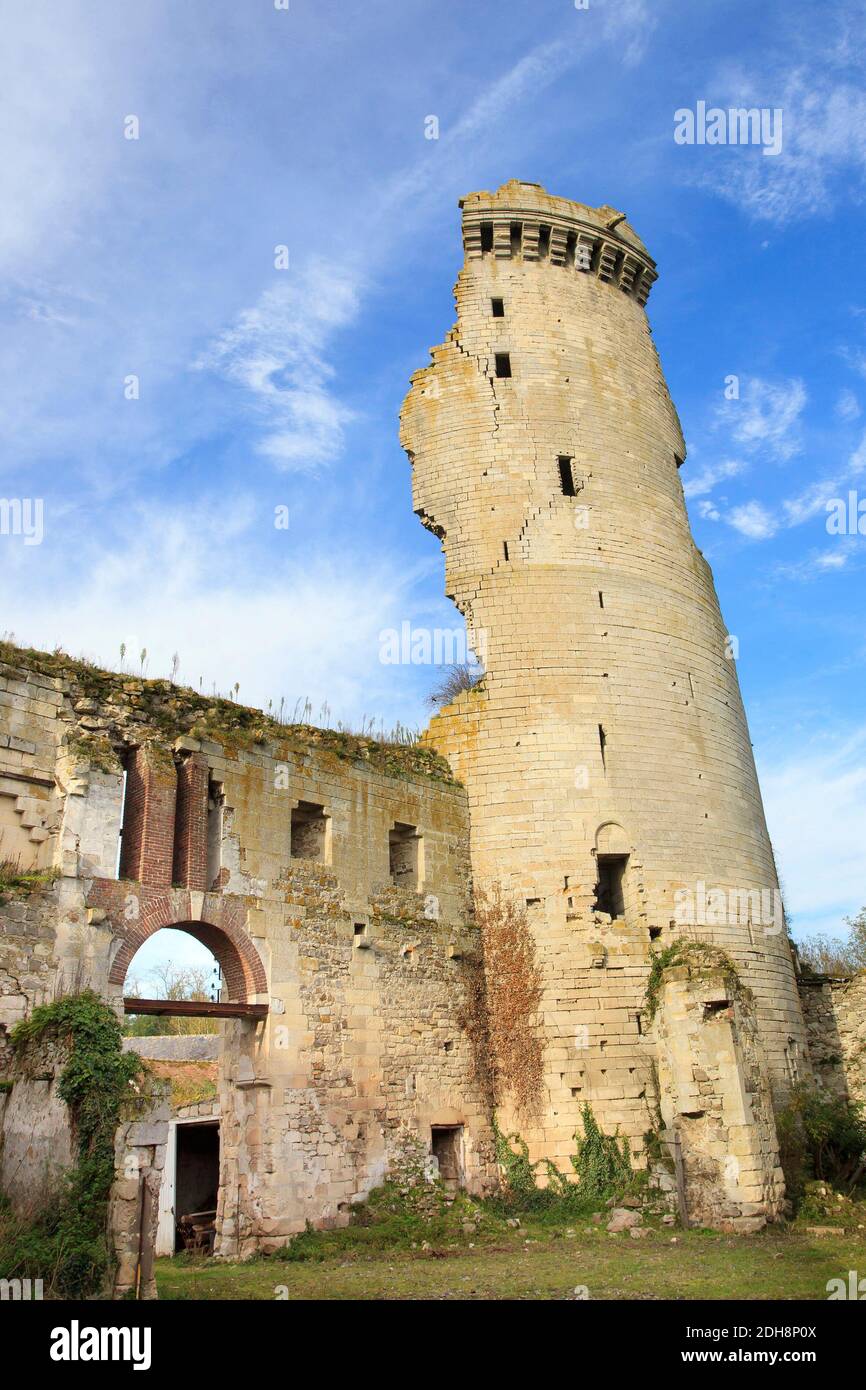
(67, 1244)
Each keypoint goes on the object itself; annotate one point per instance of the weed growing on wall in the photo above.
(701, 959)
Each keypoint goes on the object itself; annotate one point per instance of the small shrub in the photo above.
(821, 1136)
(454, 681)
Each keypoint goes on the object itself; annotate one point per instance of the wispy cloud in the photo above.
(277, 352)
(847, 406)
(824, 145)
(710, 475)
(767, 417)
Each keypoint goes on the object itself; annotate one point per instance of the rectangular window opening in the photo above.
(610, 888)
(543, 242)
(602, 743)
(486, 236)
(505, 550)
(404, 856)
(503, 364)
(309, 835)
(566, 476)
(497, 308)
(516, 238)
(600, 599)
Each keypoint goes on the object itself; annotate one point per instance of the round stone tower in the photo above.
(606, 753)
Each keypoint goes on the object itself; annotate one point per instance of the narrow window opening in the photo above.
(602, 743)
(122, 826)
(570, 244)
(505, 549)
(543, 243)
(132, 818)
(503, 364)
(309, 832)
(610, 888)
(516, 238)
(566, 476)
(497, 307)
(215, 809)
(600, 599)
(486, 236)
(404, 855)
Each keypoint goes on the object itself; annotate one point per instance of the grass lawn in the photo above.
(537, 1262)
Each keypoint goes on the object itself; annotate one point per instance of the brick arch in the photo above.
(220, 931)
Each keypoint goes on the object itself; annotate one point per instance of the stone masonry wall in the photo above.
(835, 1012)
(361, 977)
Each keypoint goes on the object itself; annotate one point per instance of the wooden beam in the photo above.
(194, 1008)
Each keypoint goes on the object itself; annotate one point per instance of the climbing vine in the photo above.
(602, 1161)
(602, 1164)
(69, 1243)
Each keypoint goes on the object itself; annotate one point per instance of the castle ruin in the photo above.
(600, 774)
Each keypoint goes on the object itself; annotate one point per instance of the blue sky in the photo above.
(261, 388)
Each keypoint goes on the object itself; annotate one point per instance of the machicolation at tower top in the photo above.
(600, 775)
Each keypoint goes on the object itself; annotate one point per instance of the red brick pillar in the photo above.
(147, 847)
(190, 826)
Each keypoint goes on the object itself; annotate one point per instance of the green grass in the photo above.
(534, 1263)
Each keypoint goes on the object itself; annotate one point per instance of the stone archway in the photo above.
(134, 912)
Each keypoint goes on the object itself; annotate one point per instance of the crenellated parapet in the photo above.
(522, 222)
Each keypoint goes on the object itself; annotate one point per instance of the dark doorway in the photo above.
(447, 1146)
(196, 1184)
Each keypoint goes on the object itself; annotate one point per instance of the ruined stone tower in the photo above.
(606, 754)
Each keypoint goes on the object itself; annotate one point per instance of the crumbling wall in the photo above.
(360, 982)
(835, 1013)
(715, 1099)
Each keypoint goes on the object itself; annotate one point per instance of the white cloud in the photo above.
(753, 520)
(766, 417)
(204, 581)
(815, 800)
(710, 475)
